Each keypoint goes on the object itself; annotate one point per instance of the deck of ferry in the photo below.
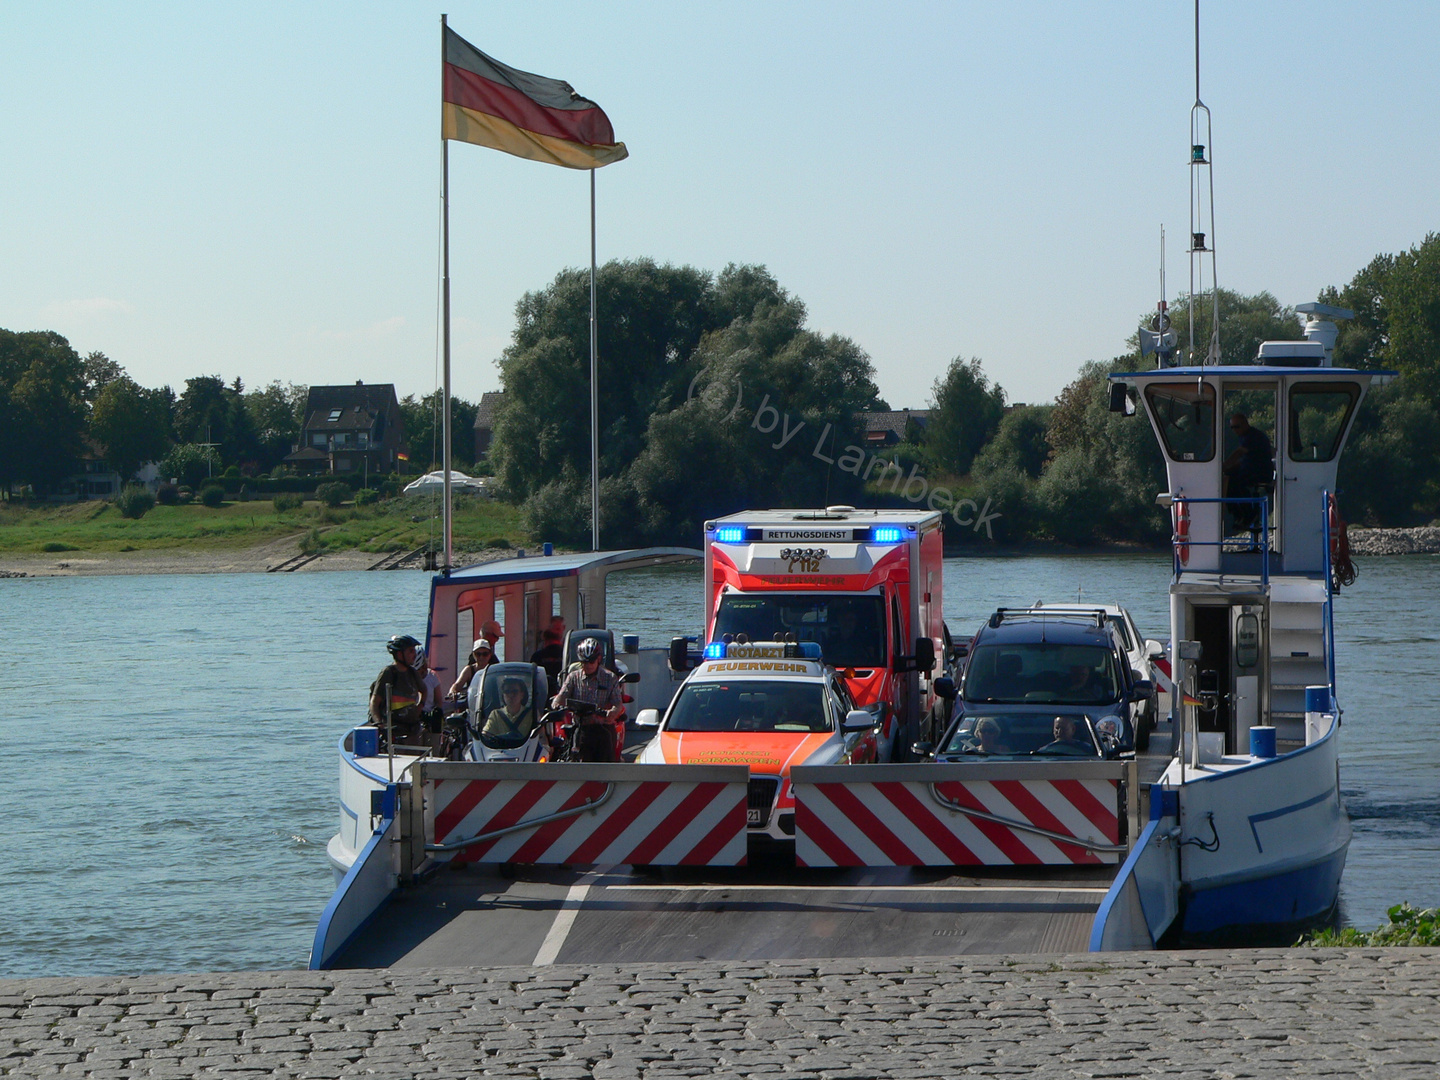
(477, 916)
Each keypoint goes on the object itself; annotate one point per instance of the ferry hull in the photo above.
(1263, 845)
(1275, 901)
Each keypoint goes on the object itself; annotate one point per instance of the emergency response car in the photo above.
(768, 705)
(865, 585)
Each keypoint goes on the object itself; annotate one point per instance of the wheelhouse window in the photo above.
(1185, 416)
(1319, 414)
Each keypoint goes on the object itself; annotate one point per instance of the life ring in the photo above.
(1180, 513)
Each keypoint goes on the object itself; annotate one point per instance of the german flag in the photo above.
(530, 116)
(403, 701)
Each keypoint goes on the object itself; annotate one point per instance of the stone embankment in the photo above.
(1421, 541)
(1261, 1013)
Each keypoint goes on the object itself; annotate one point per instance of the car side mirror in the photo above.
(1142, 690)
(1153, 649)
(648, 718)
(961, 650)
(631, 676)
(922, 749)
(925, 655)
(858, 720)
(944, 687)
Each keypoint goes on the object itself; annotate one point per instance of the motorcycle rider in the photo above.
(591, 684)
(401, 689)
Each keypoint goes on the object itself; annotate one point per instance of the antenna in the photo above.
(1202, 210)
(1160, 339)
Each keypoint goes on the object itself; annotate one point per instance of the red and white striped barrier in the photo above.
(993, 814)
(665, 815)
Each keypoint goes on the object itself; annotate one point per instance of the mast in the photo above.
(445, 314)
(1202, 210)
(594, 391)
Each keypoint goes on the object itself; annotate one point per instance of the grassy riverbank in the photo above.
(401, 524)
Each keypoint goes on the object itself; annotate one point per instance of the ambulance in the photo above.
(769, 705)
(866, 585)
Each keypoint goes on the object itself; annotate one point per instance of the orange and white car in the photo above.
(768, 705)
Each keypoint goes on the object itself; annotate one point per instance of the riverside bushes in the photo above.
(1407, 926)
(332, 494)
(134, 501)
(212, 495)
(286, 501)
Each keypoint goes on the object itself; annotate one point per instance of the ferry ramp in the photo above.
(485, 913)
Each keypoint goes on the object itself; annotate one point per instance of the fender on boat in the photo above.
(368, 885)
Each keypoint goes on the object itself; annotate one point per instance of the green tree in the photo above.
(190, 464)
(1106, 468)
(211, 412)
(42, 408)
(275, 414)
(100, 372)
(965, 413)
(129, 425)
(650, 320)
(1020, 440)
(422, 430)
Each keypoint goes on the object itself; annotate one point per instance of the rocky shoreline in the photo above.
(1422, 541)
(1363, 543)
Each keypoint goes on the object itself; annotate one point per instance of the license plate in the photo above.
(755, 817)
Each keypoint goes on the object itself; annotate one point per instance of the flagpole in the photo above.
(594, 391)
(445, 310)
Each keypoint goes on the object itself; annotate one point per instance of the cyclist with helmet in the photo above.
(591, 684)
(401, 688)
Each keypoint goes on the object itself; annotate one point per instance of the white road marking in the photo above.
(863, 888)
(564, 919)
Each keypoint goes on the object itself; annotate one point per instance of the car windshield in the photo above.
(1023, 735)
(505, 709)
(1028, 672)
(749, 705)
(849, 628)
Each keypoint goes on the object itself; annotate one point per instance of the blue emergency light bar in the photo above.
(730, 534)
(886, 534)
(759, 650)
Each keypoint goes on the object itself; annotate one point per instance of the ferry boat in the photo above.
(1248, 832)
(524, 593)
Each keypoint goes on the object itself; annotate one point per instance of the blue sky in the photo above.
(252, 189)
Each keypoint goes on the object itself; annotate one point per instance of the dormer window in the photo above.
(334, 416)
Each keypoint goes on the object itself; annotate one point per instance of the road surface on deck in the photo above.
(771, 910)
(768, 911)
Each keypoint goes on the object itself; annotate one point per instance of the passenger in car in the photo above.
(987, 737)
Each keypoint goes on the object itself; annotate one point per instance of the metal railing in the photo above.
(1262, 544)
(1329, 608)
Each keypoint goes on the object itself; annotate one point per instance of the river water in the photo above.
(172, 741)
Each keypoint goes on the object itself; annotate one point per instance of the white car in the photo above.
(769, 706)
(1142, 652)
(435, 481)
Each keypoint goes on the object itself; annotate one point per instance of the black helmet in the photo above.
(400, 642)
(588, 649)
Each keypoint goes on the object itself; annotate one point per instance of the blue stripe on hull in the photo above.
(1297, 896)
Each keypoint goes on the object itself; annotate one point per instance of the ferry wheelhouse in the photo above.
(1248, 831)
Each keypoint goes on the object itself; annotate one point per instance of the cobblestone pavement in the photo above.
(1263, 1013)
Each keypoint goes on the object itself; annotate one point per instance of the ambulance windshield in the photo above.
(850, 628)
(749, 705)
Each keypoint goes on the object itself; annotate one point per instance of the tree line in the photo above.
(58, 408)
(715, 396)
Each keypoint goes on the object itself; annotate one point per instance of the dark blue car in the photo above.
(1037, 683)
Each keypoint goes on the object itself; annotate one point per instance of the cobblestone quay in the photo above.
(1263, 1013)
